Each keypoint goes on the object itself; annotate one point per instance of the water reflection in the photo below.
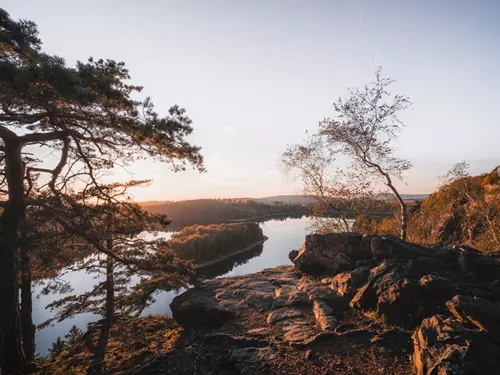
(284, 234)
(227, 265)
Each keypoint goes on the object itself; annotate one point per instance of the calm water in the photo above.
(284, 235)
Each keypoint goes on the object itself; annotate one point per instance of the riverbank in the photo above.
(269, 216)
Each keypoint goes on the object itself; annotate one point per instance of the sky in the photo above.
(255, 75)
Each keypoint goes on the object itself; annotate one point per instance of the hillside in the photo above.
(465, 211)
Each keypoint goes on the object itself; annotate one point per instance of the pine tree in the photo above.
(86, 114)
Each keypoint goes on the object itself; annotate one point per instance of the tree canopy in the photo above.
(92, 119)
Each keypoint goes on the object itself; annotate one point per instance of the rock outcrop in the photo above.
(351, 304)
(333, 252)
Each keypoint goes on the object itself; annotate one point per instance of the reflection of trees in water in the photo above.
(281, 218)
(227, 265)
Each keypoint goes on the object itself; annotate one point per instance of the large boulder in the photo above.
(445, 346)
(332, 252)
(484, 315)
(197, 308)
(400, 296)
(346, 284)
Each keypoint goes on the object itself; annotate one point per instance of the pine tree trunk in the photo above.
(28, 328)
(107, 322)
(12, 359)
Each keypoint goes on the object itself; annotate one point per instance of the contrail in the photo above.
(360, 21)
(375, 61)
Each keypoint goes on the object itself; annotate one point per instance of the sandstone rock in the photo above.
(324, 316)
(284, 313)
(297, 330)
(264, 331)
(332, 252)
(366, 297)
(483, 314)
(320, 292)
(418, 267)
(198, 308)
(250, 361)
(445, 346)
(402, 303)
(289, 295)
(437, 285)
(259, 299)
(401, 299)
(293, 254)
(231, 299)
(346, 284)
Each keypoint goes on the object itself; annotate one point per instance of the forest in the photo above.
(211, 211)
(205, 244)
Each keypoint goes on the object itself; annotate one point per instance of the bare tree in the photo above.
(364, 129)
(340, 195)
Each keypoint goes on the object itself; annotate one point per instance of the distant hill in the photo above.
(286, 199)
(271, 200)
(303, 199)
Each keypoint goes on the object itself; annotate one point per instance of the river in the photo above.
(283, 235)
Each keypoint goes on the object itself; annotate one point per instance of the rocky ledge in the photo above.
(351, 304)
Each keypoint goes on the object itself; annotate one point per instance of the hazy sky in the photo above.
(254, 75)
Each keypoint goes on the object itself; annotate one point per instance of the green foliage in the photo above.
(74, 335)
(57, 347)
(91, 117)
(207, 243)
(112, 233)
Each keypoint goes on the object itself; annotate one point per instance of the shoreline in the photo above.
(264, 216)
(244, 250)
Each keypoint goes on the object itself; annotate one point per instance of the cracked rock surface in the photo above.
(351, 304)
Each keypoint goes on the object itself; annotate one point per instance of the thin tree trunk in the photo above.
(402, 207)
(12, 359)
(389, 184)
(107, 322)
